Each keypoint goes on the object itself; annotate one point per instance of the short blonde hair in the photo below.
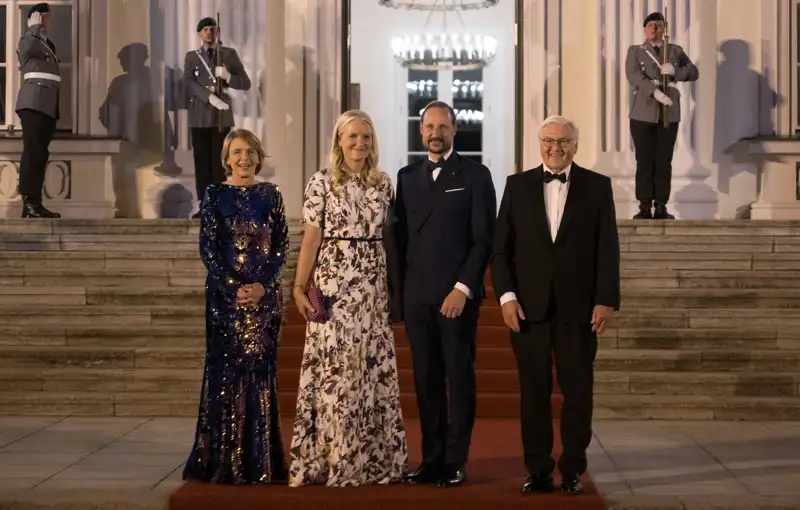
(558, 119)
(370, 174)
(251, 139)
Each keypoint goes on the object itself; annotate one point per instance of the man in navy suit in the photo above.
(555, 267)
(445, 208)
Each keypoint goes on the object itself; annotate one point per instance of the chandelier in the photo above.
(438, 5)
(435, 52)
(443, 49)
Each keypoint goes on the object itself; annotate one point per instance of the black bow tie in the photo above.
(433, 165)
(549, 176)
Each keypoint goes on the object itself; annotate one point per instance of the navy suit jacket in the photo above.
(444, 228)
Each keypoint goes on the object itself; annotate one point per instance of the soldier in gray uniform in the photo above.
(654, 143)
(200, 74)
(37, 107)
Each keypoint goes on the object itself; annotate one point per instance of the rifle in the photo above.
(664, 77)
(218, 90)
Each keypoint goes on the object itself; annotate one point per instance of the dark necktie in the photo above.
(549, 176)
(210, 54)
(658, 50)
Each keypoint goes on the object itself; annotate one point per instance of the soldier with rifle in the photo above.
(208, 73)
(653, 68)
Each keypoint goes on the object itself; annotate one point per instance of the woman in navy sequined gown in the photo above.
(243, 242)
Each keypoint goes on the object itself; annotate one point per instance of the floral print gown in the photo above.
(348, 427)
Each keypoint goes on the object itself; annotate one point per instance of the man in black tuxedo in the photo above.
(445, 210)
(555, 266)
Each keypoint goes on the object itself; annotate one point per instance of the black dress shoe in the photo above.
(196, 216)
(425, 473)
(645, 211)
(540, 483)
(571, 484)
(661, 213)
(32, 208)
(453, 476)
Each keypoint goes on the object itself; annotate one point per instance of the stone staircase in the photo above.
(106, 318)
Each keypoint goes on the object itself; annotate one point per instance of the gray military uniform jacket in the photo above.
(40, 79)
(198, 77)
(643, 70)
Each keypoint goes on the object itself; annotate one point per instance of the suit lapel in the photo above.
(435, 190)
(539, 212)
(575, 195)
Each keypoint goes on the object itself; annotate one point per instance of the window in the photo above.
(14, 19)
(463, 90)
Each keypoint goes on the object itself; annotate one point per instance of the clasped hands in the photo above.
(512, 314)
(249, 294)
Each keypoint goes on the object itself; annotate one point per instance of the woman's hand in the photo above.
(250, 294)
(301, 301)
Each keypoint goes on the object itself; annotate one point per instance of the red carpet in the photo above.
(495, 474)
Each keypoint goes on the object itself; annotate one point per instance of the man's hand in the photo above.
(662, 98)
(218, 103)
(35, 19)
(454, 304)
(221, 72)
(512, 313)
(668, 69)
(601, 317)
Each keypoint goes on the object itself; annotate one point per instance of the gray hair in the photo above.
(558, 119)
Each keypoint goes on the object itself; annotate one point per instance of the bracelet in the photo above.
(299, 285)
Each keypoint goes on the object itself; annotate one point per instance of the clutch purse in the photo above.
(318, 301)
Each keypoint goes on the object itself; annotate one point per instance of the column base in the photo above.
(775, 210)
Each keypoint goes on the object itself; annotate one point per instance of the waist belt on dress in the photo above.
(363, 239)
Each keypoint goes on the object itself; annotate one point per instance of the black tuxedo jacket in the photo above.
(444, 228)
(580, 268)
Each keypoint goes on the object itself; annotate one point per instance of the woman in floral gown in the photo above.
(243, 241)
(348, 427)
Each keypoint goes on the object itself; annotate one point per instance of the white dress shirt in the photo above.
(460, 286)
(555, 198)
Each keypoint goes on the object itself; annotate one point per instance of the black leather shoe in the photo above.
(645, 211)
(571, 484)
(453, 476)
(32, 208)
(425, 473)
(661, 213)
(540, 483)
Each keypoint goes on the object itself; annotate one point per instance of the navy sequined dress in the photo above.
(243, 239)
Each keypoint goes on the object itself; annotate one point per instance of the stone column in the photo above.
(540, 38)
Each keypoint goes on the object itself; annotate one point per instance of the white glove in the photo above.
(218, 103)
(668, 69)
(662, 98)
(35, 19)
(221, 72)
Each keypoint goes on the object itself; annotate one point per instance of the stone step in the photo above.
(167, 315)
(148, 277)
(68, 277)
(489, 405)
(710, 298)
(632, 298)
(193, 335)
(775, 384)
(96, 261)
(489, 358)
(687, 279)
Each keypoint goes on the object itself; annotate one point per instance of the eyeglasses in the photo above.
(549, 142)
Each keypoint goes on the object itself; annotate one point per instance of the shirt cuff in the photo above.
(508, 296)
(463, 288)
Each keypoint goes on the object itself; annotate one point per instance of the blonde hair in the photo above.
(369, 174)
(251, 140)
